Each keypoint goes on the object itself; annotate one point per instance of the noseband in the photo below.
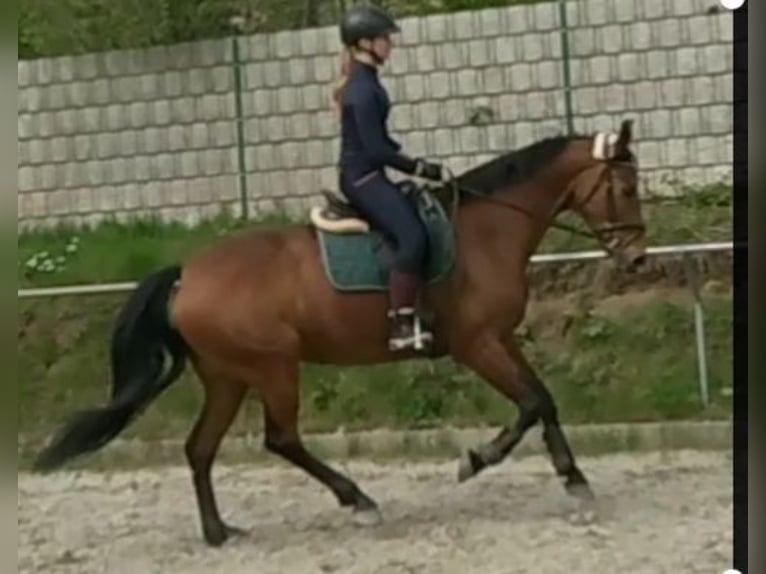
(606, 177)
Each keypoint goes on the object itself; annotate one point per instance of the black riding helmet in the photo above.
(362, 22)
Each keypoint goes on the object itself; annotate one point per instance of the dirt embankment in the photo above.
(602, 278)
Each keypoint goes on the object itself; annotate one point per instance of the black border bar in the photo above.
(740, 272)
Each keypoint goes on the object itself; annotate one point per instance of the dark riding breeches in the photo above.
(391, 213)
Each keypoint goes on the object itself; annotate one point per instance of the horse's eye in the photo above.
(629, 190)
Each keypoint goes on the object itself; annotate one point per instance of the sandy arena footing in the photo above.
(657, 513)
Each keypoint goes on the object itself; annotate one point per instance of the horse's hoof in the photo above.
(216, 537)
(367, 517)
(585, 514)
(234, 532)
(469, 466)
(587, 511)
(581, 491)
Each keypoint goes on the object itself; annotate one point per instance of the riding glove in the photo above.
(427, 170)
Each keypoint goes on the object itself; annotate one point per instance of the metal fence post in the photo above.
(693, 275)
(566, 67)
(240, 118)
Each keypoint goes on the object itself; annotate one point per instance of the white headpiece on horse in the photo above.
(603, 145)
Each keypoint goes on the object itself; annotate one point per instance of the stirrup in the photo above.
(417, 340)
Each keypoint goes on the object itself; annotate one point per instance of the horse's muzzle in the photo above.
(633, 260)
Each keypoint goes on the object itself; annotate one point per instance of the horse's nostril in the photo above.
(639, 261)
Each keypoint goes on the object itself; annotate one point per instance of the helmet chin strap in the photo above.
(371, 52)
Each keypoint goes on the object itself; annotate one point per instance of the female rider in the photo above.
(366, 149)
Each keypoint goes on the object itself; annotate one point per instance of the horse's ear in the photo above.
(625, 137)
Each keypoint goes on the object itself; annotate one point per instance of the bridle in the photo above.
(598, 233)
(612, 224)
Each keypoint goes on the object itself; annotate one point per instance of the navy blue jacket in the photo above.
(366, 145)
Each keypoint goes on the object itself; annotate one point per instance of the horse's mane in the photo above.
(520, 165)
(516, 166)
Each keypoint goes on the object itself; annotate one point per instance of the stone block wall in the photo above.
(154, 131)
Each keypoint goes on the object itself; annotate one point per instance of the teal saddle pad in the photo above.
(361, 261)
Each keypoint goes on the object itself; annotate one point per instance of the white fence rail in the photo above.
(692, 272)
(99, 289)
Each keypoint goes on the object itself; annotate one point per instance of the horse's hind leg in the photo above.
(280, 397)
(223, 398)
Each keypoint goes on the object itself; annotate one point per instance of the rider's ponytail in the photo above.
(345, 70)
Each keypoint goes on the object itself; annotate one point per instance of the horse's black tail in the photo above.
(142, 333)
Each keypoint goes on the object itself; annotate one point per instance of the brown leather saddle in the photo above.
(339, 216)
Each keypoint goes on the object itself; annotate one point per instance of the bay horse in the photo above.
(248, 310)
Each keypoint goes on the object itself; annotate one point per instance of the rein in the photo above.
(608, 227)
(457, 188)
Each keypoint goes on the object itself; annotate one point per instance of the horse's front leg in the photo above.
(488, 357)
(501, 363)
(556, 442)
